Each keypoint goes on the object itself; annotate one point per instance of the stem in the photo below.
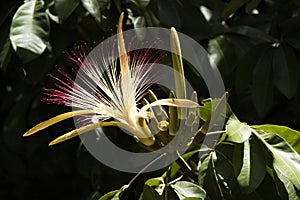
(138, 174)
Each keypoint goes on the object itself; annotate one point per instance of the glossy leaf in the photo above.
(281, 191)
(286, 160)
(215, 108)
(113, 195)
(222, 53)
(175, 167)
(168, 14)
(246, 65)
(252, 33)
(185, 189)
(93, 7)
(262, 92)
(290, 135)
(208, 177)
(156, 183)
(244, 175)
(286, 71)
(64, 8)
(292, 193)
(149, 193)
(237, 131)
(30, 28)
(252, 171)
(232, 7)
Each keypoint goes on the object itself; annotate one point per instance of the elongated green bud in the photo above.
(178, 66)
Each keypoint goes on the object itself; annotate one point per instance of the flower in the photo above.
(110, 98)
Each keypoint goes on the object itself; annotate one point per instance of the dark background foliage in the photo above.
(254, 43)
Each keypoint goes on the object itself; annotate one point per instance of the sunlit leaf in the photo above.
(113, 195)
(93, 7)
(286, 159)
(215, 108)
(157, 183)
(237, 131)
(30, 28)
(244, 175)
(185, 189)
(290, 135)
(292, 193)
(253, 167)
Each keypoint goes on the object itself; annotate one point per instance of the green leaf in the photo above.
(246, 65)
(232, 6)
(30, 28)
(5, 54)
(288, 186)
(237, 131)
(222, 53)
(175, 167)
(290, 135)
(203, 166)
(252, 33)
(156, 183)
(168, 14)
(286, 160)
(150, 193)
(185, 189)
(64, 8)
(214, 106)
(253, 168)
(262, 92)
(208, 177)
(93, 7)
(244, 175)
(113, 195)
(286, 71)
(280, 188)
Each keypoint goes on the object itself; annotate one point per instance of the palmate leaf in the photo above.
(30, 27)
(286, 161)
